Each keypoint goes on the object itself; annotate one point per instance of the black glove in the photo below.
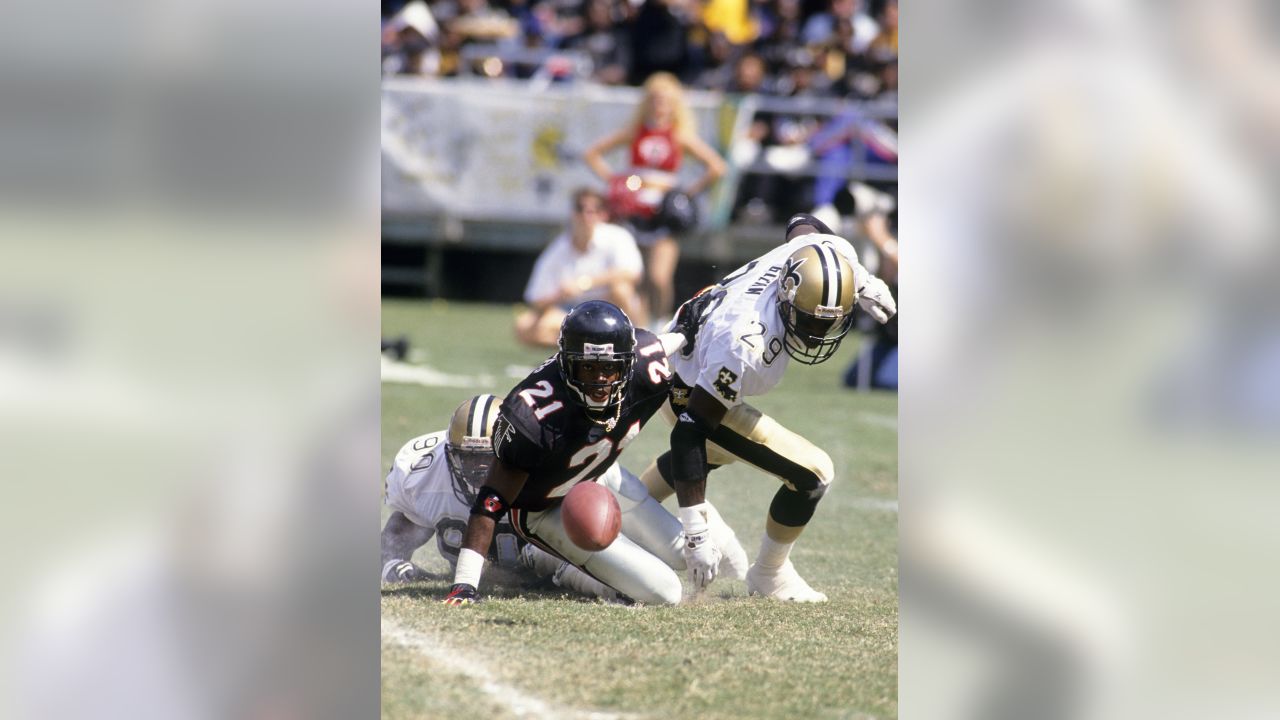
(690, 315)
(462, 594)
(687, 324)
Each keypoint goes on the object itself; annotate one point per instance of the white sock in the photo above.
(772, 553)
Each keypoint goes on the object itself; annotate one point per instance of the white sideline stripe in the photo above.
(394, 371)
(876, 504)
(888, 422)
(521, 704)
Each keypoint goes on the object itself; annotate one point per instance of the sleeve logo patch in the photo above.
(724, 382)
(501, 433)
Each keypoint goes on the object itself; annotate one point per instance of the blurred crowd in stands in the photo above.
(787, 48)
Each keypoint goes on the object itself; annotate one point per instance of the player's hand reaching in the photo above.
(876, 300)
(462, 594)
(702, 557)
(405, 571)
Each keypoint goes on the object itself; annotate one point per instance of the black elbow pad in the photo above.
(806, 219)
(688, 449)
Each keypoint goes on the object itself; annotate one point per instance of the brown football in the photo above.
(591, 516)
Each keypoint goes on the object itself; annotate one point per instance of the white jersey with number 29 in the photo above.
(739, 348)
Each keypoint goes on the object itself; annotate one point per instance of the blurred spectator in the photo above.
(594, 260)
(657, 137)
(821, 28)
(873, 211)
(782, 22)
(659, 41)
(732, 20)
(844, 141)
(783, 142)
(748, 75)
(885, 46)
(604, 41)
(409, 41)
(719, 64)
(472, 21)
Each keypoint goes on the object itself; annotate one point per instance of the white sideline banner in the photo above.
(489, 150)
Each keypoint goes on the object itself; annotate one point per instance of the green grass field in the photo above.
(729, 656)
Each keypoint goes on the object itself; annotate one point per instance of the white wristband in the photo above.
(470, 563)
(693, 518)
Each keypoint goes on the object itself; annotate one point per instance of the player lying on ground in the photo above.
(794, 302)
(567, 423)
(431, 488)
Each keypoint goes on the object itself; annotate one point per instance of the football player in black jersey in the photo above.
(567, 423)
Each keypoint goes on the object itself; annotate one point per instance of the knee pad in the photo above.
(798, 463)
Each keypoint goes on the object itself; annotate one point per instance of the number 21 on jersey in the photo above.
(541, 390)
(659, 370)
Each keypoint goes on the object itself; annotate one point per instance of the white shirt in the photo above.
(739, 350)
(610, 248)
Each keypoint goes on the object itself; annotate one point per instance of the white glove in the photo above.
(875, 299)
(701, 556)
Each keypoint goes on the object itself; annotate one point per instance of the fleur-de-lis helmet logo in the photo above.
(790, 278)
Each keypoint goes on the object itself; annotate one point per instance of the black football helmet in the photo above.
(468, 446)
(597, 332)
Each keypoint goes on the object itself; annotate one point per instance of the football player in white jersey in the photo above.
(793, 303)
(431, 488)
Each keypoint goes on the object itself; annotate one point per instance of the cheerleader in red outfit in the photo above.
(661, 132)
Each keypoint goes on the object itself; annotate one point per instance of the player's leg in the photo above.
(626, 295)
(658, 521)
(539, 328)
(659, 485)
(805, 470)
(644, 520)
(400, 539)
(662, 274)
(806, 473)
(624, 565)
(545, 565)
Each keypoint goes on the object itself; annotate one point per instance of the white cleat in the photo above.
(783, 583)
(733, 559)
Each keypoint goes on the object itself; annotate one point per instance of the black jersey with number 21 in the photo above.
(542, 429)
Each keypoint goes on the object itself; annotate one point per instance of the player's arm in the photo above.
(689, 466)
(401, 537)
(594, 156)
(696, 147)
(492, 501)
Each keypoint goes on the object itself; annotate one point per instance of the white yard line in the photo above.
(398, 372)
(520, 703)
(869, 503)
